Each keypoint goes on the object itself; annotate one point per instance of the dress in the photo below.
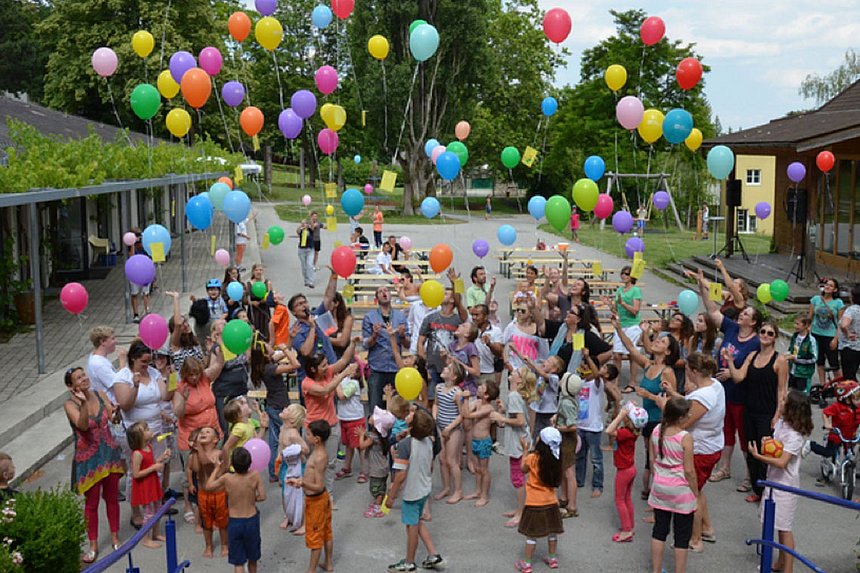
(147, 489)
(293, 497)
(96, 452)
(786, 503)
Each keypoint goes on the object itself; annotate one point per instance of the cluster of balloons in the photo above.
(776, 290)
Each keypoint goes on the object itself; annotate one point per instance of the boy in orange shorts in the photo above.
(212, 503)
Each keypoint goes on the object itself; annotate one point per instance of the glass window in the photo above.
(844, 239)
(827, 198)
(753, 176)
(743, 219)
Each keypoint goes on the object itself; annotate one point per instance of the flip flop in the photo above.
(618, 539)
(628, 389)
(90, 556)
(362, 478)
(189, 517)
(709, 537)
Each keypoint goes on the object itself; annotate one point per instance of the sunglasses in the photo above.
(573, 312)
(521, 310)
(625, 274)
(765, 332)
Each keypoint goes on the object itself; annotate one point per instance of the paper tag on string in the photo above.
(348, 291)
(637, 256)
(383, 507)
(459, 286)
(363, 118)
(715, 292)
(529, 156)
(173, 208)
(597, 268)
(578, 341)
(212, 246)
(256, 141)
(389, 178)
(331, 224)
(337, 244)
(638, 269)
(265, 244)
(172, 379)
(330, 190)
(238, 175)
(157, 250)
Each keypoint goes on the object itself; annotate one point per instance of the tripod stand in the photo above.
(796, 270)
(737, 246)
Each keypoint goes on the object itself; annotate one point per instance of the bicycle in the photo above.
(820, 392)
(847, 468)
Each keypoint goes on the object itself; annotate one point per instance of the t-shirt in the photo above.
(378, 220)
(147, 405)
(511, 438)
(102, 375)
(244, 431)
(281, 320)
(199, 410)
(439, 331)
(844, 418)
(242, 232)
(735, 393)
(626, 317)
(590, 416)
(415, 457)
(485, 354)
(315, 231)
(529, 345)
(625, 448)
(475, 295)
(853, 314)
(350, 409)
(568, 411)
(305, 238)
(465, 355)
(547, 392)
(792, 443)
(707, 433)
(825, 315)
(377, 456)
(382, 265)
(537, 493)
(277, 396)
(319, 407)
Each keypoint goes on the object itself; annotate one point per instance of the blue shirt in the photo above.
(739, 350)
(380, 355)
(322, 343)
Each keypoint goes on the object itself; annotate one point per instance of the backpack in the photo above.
(200, 311)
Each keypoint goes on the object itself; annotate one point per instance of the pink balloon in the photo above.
(210, 60)
(629, 112)
(326, 79)
(327, 140)
(306, 200)
(222, 257)
(405, 243)
(260, 454)
(74, 297)
(604, 206)
(652, 30)
(129, 239)
(368, 188)
(104, 62)
(437, 151)
(153, 330)
(462, 130)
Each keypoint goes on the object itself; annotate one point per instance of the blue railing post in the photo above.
(170, 534)
(767, 535)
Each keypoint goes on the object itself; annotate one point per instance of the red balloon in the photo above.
(74, 297)
(557, 25)
(342, 8)
(825, 161)
(652, 30)
(343, 261)
(689, 73)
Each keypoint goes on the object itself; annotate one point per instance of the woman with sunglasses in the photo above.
(577, 321)
(849, 336)
(522, 332)
(183, 343)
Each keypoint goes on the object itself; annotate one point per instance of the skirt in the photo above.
(540, 521)
(568, 449)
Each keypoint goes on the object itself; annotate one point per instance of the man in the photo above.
(308, 338)
(316, 226)
(437, 332)
(359, 241)
(478, 293)
(380, 354)
(489, 342)
(306, 252)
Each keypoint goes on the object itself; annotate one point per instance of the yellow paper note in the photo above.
(716, 292)
(348, 291)
(389, 179)
(162, 437)
(459, 286)
(383, 507)
(331, 224)
(157, 250)
(256, 141)
(172, 379)
(578, 340)
(238, 175)
(529, 156)
(638, 269)
(363, 118)
(337, 244)
(637, 256)
(265, 244)
(330, 190)
(212, 246)
(597, 268)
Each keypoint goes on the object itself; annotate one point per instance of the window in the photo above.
(743, 220)
(753, 176)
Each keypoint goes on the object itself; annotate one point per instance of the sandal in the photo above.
(720, 475)
(645, 495)
(90, 556)
(362, 478)
(189, 518)
(343, 473)
(628, 389)
(618, 539)
(709, 537)
(745, 486)
(566, 512)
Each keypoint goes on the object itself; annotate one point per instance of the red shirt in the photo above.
(843, 417)
(625, 449)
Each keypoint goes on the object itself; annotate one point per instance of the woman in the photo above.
(825, 310)
(681, 329)
(576, 322)
(336, 305)
(98, 461)
(580, 293)
(183, 343)
(531, 279)
(554, 293)
(764, 375)
(259, 308)
(627, 302)
(232, 380)
(378, 220)
(396, 252)
(706, 337)
(849, 336)
(522, 332)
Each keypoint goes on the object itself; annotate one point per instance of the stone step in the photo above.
(29, 408)
(39, 443)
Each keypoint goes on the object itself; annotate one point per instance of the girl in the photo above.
(237, 412)
(146, 492)
(350, 414)
(259, 308)
(706, 337)
(627, 302)
(522, 333)
(374, 441)
(803, 354)
(293, 448)
(791, 429)
(674, 491)
(825, 311)
(545, 403)
(410, 361)
(446, 412)
(270, 372)
(541, 516)
(566, 422)
(624, 429)
(464, 351)
(378, 220)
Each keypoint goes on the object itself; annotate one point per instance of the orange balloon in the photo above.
(251, 120)
(196, 87)
(441, 257)
(226, 181)
(239, 25)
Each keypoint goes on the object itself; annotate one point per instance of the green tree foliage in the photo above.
(821, 89)
(23, 52)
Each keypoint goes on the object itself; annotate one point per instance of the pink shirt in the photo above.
(319, 407)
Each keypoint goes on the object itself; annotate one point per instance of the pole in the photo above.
(180, 215)
(767, 535)
(36, 272)
(125, 224)
(170, 534)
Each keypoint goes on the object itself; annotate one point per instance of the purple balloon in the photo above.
(634, 245)
(181, 62)
(266, 7)
(233, 93)
(796, 172)
(304, 103)
(762, 209)
(140, 270)
(289, 123)
(480, 247)
(622, 221)
(210, 60)
(661, 200)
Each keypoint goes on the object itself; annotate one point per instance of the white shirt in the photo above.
(147, 405)
(242, 229)
(485, 355)
(383, 264)
(102, 375)
(351, 408)
(590, 414)
(417, 311)
(707, 433)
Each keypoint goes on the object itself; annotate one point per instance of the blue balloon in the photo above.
(237, 206)
(199, 211)
(423, 42)
(537, 207)
(321, 16)
(205, 194)
(235, 291)
(448, 165)
(155, 234)
(677, 125)
(549, 106)
(352, 202)
(357, 159)
(595, 167)
(430, 207)
(507, 235)
(217, 192)
(721, 161)
(430, 146)
(688, 302)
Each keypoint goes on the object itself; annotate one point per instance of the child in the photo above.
(244, 489)
(317, 501)
(566, 421)
(374, 442)
(212, 502)
(488, 208)
(482, 444)
(215, 309)
(398, 406)
(574, 224)
(790, 429)
(192, 510)
(541, 516)
(843, 414)
(293, 448)
(591, 424)
(413, 464)
(7, 474)
(447, 414)
(624, 429)
(146, 491)
(803, 355)
(237, 412)
(350, 414)
(674, 489)
(545, 405)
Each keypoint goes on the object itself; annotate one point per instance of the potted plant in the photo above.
(14, 293)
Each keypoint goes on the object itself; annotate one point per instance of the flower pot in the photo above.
(25, 306)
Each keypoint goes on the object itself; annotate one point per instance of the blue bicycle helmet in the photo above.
(213, 283)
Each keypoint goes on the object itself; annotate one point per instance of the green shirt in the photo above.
(475, 295)
(626, 317)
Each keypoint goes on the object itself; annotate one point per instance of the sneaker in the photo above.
(820, 482)
(807, 447)
(373, 511)
(136, 319)
(433, 562)
(497, 449)
(402, 565)
(523, 566)
(551, 562)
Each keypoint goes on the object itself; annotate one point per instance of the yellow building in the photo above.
(758, 176)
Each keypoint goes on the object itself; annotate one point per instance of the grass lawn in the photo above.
(296, 213)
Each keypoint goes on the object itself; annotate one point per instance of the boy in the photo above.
(7, 474)
(482, 442)
(215, 308)
(212, 503)
(802, 354)
(244, 489)
(413, 464)
(318, 534)
(843, 414)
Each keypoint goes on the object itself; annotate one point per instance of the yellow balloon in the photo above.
(167, 86)
(142, 43)
(615, 77)
(651, 127)
(431, 293)
(329, 210)
(334, 116)
(694, 140)
(408, 383)
(269, 33)
(178, 122)
(378, 47)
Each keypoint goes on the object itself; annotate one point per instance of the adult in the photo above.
(134, 289)
(183, 343)
(580, 293)
(681, 329)
(557, 299)
(849, 336)
(306, 252)
(378, 220)
(307, 337)
(232, 379)
(259, 307)
(316, 237)
(479, 292)
(397, 253)
(242, 239)
(523, 332)
(360, 242)
(531, 279)
(98, 462)
(576, 322)
(382, 263)
(490, 342)
(380, 355)
(627, 302)
(706, 219)
(99, 368)
(437, 333)
(825, 311)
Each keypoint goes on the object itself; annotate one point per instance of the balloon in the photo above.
(155, 233)
(266, 7)
(378, 47)
(437, 151)
(222, 257)
(431, 293)
(196, 87)
(304, 103)
(140, 270)
(462, 130)
(763, 293)
(153, 330)
(321, 16)
(604, 206)
(342, 8)
(689, 73)
(326, 79)
(368, 188)
(460, 150)
(694, 140)
(594, 168)
(762, 210)
(259, 450)
(129, 239)
(652, 30)
(235, 291)
(334, 116)
(206, 193)
(510, 157)
(405, 243)
(233, 93)
(537, 207)
(145, 101)
(721, 161)
(276, 235)
(615, 77)
(210, 60)
(258, 289)
(558, 212)
(677, 126)
(199, 211)
(217, 193)
(825, 161)
(343, 261)
(507, 235)
(268, 32)
(651, 127)
(180, 63)
(306, 200)
(251, 120)
(408, 383)
(239, 26)
(430, 207)
(661, 200)
(104, 62)
(423, 42)
(557, 25)
(622, 221)
(430, 145)
(448, 165)
(166, 85)
(142, 43)
(226, 181)
(688, 302)
(415, 24)
(289, 123)
(549, 106)
(352, 202)
(796, 171)
(356, 159)
(74, 297)
(178, 122)
(779, 290)
(634, 245)
(441, 257)
(585, 194)
(328, 141)
(237, 206)
(480, 247)
(237, 335)
(629, 112)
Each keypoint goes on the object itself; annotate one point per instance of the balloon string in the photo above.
(385, 102)
(639, 79)
(543, 148)
(352, 67)
(406, 113)
(116, 113)
(616, 135)
(278, 75)
(149, 141)
(164, 34)
(537, 131)
(223, 117)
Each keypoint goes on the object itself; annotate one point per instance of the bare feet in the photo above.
(198, 530)
(475, 495)
(509, 513)
(648, 519)
(285, 524)
(224, 551)
(596, 492)
(327, 566)
(470, 465)
(160, 538)
(151, 544)
(456, 498)
(208, 553)
(299, 531)
(441, 495)
(512, 522)
(482, 502)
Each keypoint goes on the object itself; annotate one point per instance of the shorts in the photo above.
(518, 479)
(213, 509)
(646, 434)
(137, 289)
(704, 464)
(824, 352)
(568, 449)
(317, 246)
(498, 365)
(243, 534)
(348, 435)
(632, 332)
(317, 520)
(483, 448)
(378, 486)
(435, 378)
(734, 423)
(683, 527)
(410, 511)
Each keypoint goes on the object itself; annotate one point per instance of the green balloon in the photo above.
(145, 101)
(415, 24)
(258, 289)
(557, 212)
(510, 157)
(276, 235)
(585, 194)
(237, 336)
(779, 290)
(460, 150)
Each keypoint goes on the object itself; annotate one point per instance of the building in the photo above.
(757, 174)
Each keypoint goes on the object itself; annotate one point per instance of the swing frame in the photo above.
(613, 180)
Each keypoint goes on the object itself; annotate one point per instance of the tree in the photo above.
(822, 89)
(23, 53)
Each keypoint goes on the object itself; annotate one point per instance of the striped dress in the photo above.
(447, 410)
(670, 490)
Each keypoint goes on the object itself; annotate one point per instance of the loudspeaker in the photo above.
(733, 193)
(795, 205)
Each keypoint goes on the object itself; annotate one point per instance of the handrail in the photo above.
(782, 547)
(831, 499)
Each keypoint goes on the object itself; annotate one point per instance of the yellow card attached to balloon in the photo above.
(348, 291)
(330, 190)
(157, 250)
(637, 256)
(256, 141)
(597, 268)
(212, 246)
(265, 245)
(162, 437)
(578, 341)
(331, 224)
(384, 508)
(529, 156)
(238, 175)
(172, 379)
(638, 269)
(389, 179)
(459, 286)
(715, 292)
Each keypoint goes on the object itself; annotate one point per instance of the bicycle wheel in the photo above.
(849, 479)
(815, 393)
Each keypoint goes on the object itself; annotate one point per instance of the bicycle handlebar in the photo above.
(838, 432)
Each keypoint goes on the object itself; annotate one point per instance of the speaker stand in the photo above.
(738, 245)
(796, 270)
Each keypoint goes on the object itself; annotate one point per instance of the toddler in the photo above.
(211, 502)
(374, 442)
(843, 414)
(7, 474)
(146, 492)
(480, 413)
(293, 449)
(624, 429)
(350, 414)
(237, 412)
(566, 421)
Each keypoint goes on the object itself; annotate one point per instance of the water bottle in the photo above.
(341, 454)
